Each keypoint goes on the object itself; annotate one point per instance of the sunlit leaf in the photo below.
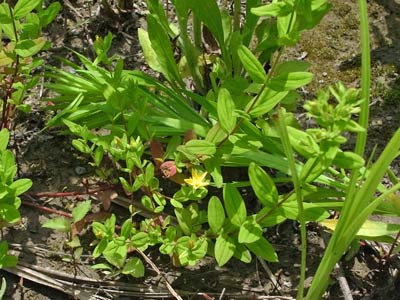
(134, 267)
(216, 214)
(263, 249)
(234, 205)
(263, 185)
(225, 108)
(224, 249)
(252, 65)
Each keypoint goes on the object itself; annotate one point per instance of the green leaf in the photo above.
(8, 261)
(3, 288)
(81, 146)
(234, 205)
(292, 66)
(27, 48)
(216, 214)
(23, 7)
(224, 249)
(49, 14)
(208, 12)
(115, 254)
(225, 108)
(252, 65)
(274, 9)
(263, 249)
(184, 220)
(369, 230)
(303, 143)
(250, 231)
(162, 47)
(263, 186)
(134, 267)
(266, 102)
(80, 211)
(198, 148)
(4, 137)
(148, 51)
(290, 81)
(21, 185)
(9, 213)
(100, 248)
(140, 239)
(60, 224)
(348, 160)
(242, 253)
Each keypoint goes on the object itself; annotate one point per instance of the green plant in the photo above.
(361, 200)
(115, 247)
(72, 227)
(10, 189)
(225, 103)
(21, 28)
(5, 261)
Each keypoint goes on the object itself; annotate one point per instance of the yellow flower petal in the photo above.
(197, 180)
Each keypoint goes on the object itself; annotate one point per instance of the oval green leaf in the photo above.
(224, 249)
(216, 214)
(225, 109)
(234, 205)
(263, 186)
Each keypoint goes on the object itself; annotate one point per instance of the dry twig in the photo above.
(157, 270)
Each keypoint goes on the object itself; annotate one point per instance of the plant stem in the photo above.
(7, 108)
(365, 77)
(236, 14)
(283, 133)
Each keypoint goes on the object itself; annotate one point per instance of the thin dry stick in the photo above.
(275, 297)
(157, 270)
(269, 273)
(222, 294)
(344, 286)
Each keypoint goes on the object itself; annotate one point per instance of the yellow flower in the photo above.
(197, 180)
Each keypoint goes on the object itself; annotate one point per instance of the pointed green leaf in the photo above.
(162, 47)
(49, 14)
(60, 223)
(80, 211)
(148, 52)
(252, 65)
(242, 253)
(225, 108)
(274, 9)
(23, 7)
(263, 249)
(208, 12)
(290, 81)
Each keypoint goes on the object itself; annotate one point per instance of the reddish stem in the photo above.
(47, 209)
(69, 194)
